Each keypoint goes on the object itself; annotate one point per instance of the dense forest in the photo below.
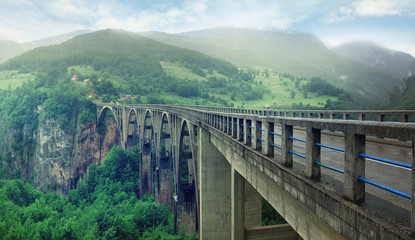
(104, 206)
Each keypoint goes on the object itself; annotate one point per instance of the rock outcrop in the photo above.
(57, 158)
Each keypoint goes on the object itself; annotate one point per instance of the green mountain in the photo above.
(135, 64)
(299, 54)
(394, 63)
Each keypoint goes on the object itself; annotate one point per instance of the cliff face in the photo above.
(62, 159)
(58, 158)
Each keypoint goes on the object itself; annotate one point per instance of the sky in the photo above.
(390, 23)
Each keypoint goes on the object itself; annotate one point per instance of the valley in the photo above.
(50, 137)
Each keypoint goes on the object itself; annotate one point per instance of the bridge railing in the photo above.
(259, 133)
(361, 115)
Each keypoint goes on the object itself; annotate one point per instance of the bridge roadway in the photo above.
(317, 202)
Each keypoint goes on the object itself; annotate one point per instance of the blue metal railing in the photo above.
(330, 147)
(329, 167)
(400, 164)
(378, 159)
(277, 134)
(297, 154)
(298, 139)
(275, 146)
(397, 192)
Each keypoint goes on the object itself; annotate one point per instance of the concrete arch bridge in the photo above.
(325, 172)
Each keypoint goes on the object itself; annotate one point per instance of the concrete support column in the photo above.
(313, 152)
(241, 130)
(287, 145)
(238, 205)
(258, 135)
(125, 120)
(215, 190)
(253, 206)
(234, 127)
(362, 117)
(346, 116)
(230, 126)
(354, 166)
(246, 132)
(266, 135)
(254, 132)
(381, 117)
(403, 118)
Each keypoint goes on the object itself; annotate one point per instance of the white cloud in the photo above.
(383, 7)
(372, 8)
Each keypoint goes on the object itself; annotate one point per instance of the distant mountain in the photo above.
(134, 59)
(53, 40)
(10, 49)
(300, 54)
(395, 63)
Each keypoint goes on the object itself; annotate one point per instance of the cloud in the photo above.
(383, 7)
(372, 8)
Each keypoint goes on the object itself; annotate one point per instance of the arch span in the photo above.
(164, 168)
(146, 163)
(109, 131)
(132, 138)
(186, 188)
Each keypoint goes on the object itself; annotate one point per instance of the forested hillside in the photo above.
(403, 97)
(104, 206)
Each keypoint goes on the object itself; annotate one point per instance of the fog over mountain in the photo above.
(397, 64)
(297, 53)
(10, 49)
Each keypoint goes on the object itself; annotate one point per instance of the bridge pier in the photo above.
(215, 191)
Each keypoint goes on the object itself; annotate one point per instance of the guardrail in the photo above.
(258, 132)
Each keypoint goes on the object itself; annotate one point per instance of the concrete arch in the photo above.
(146, 163)
(186, 188)
(132, 137)
(109, 135)
(164, 169)
(165, 137)
(103, 111)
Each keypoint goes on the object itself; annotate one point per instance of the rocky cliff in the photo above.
(57, 159)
